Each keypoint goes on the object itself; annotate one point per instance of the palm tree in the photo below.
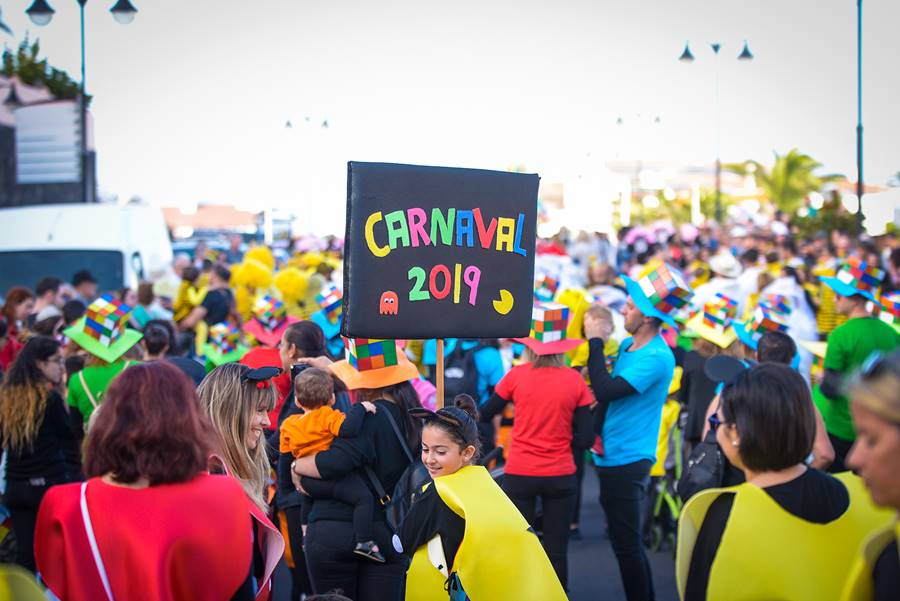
(790, 179)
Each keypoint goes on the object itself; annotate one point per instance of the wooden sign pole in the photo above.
(439, 380)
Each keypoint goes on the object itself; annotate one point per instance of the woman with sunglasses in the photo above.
(875, 456)
(35, 432)
(237, 399)
(790, 530)
(433, 531)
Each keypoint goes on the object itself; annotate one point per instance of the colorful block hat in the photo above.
(545, 289)
(331, 301)
(223, 345)
(779, 302)
(890, 302)
(269, 321)
(660, 293)
(549, 330)
(373, 363)
(714, 322)
(765, 319)
(102, 330)
(855, 276)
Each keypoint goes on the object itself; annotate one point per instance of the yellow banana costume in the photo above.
(859, 586)
(520, 571)
(767, 553)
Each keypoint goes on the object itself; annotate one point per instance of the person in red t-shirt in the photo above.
(552, 404)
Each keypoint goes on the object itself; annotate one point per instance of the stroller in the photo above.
(663, 503)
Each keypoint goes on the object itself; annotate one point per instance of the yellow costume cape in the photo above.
(498, 560)
(859, 585)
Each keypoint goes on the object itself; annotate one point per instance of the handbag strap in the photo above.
(383, 497)
(87, 389)
(92, 540)
(399, 434)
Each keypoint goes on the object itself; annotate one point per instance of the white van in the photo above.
(119, 245)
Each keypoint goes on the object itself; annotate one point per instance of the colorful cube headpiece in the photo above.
(331, 301)
(666, 289)
(269, 312)
(779, 302)
(890, 302)
(862, 276)
(719, 312)
(105, 319)
(224, 338)
(767, 319)
(549, 322)
(365, 354)
(546, 289)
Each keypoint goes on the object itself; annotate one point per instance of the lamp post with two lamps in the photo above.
(41, 13)
(688, 57)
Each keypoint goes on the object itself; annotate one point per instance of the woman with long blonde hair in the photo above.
(237, 399)
(35, 433)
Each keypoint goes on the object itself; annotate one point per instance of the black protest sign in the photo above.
(436, 252)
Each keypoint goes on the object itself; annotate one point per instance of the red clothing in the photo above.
(9, 353)
(545, 400)
(261, 356)
(172, 542)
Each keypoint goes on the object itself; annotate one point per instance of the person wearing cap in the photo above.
(102, 332)
(552, 414)
(788, 532)
(629, 411)
(462, 502)
(379, 375)
(715, 336)
(85, 285)
(855, 284)
(726, 270)
(875, 402)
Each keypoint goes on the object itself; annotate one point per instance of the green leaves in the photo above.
(25, 64)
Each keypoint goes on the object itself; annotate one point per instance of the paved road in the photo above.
(593, 571)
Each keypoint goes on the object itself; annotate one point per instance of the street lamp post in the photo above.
(859, 123)
(41, 13)
(688, 57)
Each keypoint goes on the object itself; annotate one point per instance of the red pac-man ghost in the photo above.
(389, 304)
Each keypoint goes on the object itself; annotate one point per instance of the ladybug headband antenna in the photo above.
(261, 376)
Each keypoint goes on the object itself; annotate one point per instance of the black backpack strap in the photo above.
(383, 497)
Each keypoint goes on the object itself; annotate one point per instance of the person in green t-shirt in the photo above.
(103, 334)
(849, 345)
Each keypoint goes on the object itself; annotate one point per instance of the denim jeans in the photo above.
(622, 492)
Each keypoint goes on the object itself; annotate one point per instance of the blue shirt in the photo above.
(488, 363)
(631, 429)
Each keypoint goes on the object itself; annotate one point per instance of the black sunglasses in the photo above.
(444, 415)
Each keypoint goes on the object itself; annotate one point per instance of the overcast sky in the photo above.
(191, 99)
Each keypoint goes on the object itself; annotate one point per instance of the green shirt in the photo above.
(849, 345)
(97, 378)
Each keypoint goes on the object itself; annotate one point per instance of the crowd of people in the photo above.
(735, 392)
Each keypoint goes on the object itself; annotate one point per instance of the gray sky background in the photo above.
(191, 98)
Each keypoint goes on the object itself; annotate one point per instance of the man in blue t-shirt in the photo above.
(627, 417)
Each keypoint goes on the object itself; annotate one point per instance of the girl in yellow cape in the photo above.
(459, 520)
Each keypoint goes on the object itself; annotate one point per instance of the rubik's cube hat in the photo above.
(331, 301)
(373, 363)
(102, 331)
(223, 344)
(660, 293)
(545, 289)
(714, 322)
(549, 328)
(765, 319)
(270, 320)
(855, 276)
(890, 302)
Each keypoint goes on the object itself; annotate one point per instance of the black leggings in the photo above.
(334, 566)
(23, 500)
(557, 494)
(299, 575)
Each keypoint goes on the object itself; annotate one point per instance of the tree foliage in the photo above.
(25, 64)
(790, 179)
